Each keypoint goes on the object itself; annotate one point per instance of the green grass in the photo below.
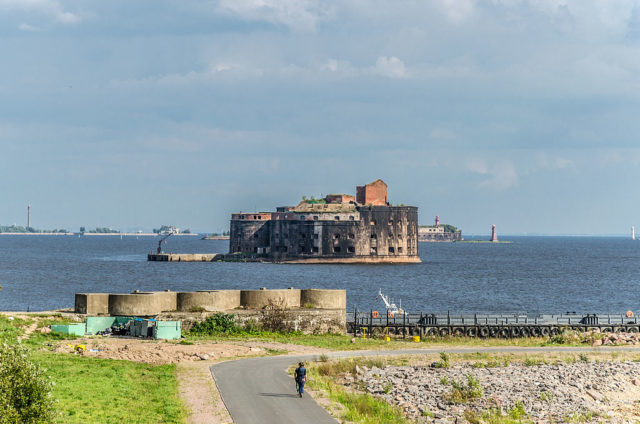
(103, 391)
(359, 408)
(343, 342)
(11, 329)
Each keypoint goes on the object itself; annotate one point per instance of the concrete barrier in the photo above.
(323, 299)
(92, 303)
(259, 299)
(209, 300)
(168, 300)
(135, 304)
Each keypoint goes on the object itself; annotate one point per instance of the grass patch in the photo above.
(91, 390)
(11, 329)
(357, 407)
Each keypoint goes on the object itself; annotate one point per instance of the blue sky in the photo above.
(524, 114)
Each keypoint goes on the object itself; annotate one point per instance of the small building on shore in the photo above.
(438, 232)
(338, 228)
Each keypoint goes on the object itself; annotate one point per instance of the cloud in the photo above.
(457, 10)
(499, 176)
(30, 28)
(391, 67)
(298, 15)
(50, 8)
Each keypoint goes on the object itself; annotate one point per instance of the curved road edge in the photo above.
(259, 390)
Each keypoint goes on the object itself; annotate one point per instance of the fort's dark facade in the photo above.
(339, 228)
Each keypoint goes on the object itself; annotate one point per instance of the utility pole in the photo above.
(28, 217)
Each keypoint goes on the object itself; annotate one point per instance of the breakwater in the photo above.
(375, 323)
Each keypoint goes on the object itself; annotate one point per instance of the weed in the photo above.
(546, 396)
(387, 387)
(444, 381)
(517, 412)
(185, 342)
(531, 362)
(427, 413)
(444, 361)
(463, 393)
(583, 416)
(323, 358)
(584, 357)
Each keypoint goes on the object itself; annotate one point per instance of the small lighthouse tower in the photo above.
(494, 234)
(633, 232)
(28, 217)
(437, 220)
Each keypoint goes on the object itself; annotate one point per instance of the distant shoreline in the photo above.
(93, 234)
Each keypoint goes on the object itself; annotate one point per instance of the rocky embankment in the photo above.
(582, 391)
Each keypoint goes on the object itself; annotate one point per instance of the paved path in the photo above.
(259, 390)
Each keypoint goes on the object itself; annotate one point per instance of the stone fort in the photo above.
(339, 228)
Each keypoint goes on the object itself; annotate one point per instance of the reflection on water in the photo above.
(533, 274)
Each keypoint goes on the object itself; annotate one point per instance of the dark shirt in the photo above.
(301, 373)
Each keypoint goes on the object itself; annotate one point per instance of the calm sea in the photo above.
(532, 274)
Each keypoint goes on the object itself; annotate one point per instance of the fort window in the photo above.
(390, 235)
(399, 249)
(336, 236)
(351, 249)
(255, 249)
(336, 249)
(315, 236)
(286, 235)
(315, 217)
(351, 218)
(337, 218)
(391, 222)
(301, 250)
(372, 222)
(352, 236)
(391, 249)
(303, 235)
(374, 236)
(374, 250)
(315, 249)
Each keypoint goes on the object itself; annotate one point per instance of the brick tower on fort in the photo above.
(338, 228)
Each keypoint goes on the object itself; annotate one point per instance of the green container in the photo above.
(95, 324)
(70, 329)
(167, 330)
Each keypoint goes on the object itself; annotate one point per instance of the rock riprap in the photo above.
(579, 391)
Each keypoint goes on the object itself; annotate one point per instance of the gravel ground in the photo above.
(582, 391)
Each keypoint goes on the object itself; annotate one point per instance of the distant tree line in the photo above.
(20, 229)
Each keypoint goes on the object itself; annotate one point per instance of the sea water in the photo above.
(532, 274)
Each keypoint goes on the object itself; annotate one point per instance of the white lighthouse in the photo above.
(633, 232)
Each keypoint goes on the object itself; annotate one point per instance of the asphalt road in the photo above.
(259, 390)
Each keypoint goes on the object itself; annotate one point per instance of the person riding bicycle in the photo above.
(301, 377)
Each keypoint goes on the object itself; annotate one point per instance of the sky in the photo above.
(520, 113)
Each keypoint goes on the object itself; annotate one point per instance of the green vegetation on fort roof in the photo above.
(447, 228)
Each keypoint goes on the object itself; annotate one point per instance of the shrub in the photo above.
(25, 392)
(219, 323)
